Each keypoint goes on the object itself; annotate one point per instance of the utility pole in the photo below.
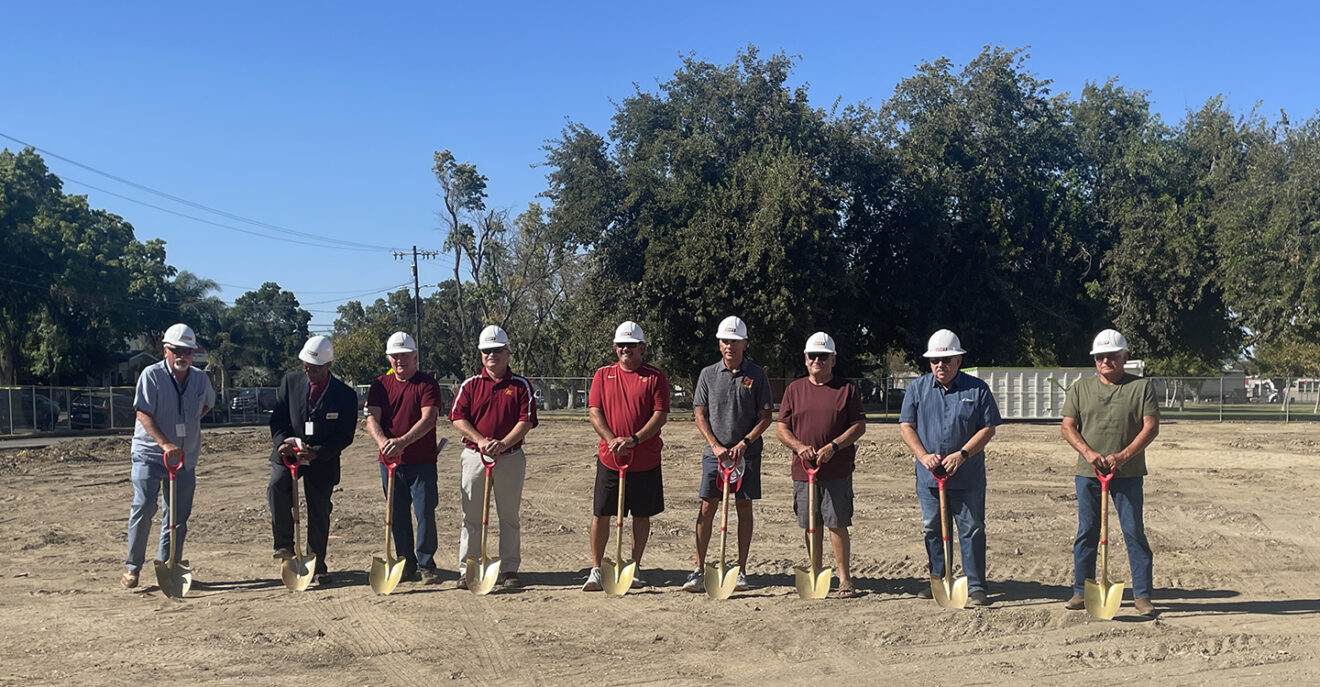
(417, 291)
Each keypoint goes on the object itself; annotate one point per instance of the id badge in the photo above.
(181, 430)
(309, 428)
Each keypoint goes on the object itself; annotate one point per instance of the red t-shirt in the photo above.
(494, 406)
(817, 415)
(401, 406)
(628, 400)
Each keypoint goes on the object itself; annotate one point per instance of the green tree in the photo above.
(269, 328)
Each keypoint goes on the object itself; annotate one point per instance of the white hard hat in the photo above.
(181, 335)
(400, 342)
(820, 342)
(732, 328)
(1108, 341)
(629, 332)
(317, 351)
(492, 337)
(943, 344)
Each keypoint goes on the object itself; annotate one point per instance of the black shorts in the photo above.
(644, 493)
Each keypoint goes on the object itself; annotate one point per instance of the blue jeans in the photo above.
(147, 479)
(1127, 497)
(967, 507)
(414, 490)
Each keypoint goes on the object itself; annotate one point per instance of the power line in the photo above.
(320, 240)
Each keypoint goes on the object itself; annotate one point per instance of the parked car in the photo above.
(102, 409)
(25, 409)
(253, 401)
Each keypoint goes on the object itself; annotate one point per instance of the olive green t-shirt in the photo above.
(1109, 417)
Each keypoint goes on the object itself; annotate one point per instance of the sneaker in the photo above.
(741, 585)
(129, 579)
(1145, 607)
(593, 581)
(431, 576)
(978, 598)
(638, 582)
(413, 575)
(1076, 602)
(696, 582)
(511, 580)
(925, 593)
(461, 582)
(283, 553)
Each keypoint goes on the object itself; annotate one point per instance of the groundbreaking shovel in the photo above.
(173, 578)
(812, 582)
(948, 592)
(720, 580)
(297, 571)
(617, 574)
(482, 574)
(386, 572)
(1104, 597)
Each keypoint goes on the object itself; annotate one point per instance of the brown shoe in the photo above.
(1076, 603)
(129, 579)
(511, 580)
(1145, 607)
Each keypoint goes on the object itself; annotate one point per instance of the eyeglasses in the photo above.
(625, 345)
(941, 361)
(182, 352)
(1114, 355)
(819, 356)
(494, 351)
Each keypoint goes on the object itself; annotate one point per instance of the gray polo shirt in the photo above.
(170, 404)
(734, 399)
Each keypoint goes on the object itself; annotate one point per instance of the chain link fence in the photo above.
(35, 409)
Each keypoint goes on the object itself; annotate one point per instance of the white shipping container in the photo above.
(1029, 393)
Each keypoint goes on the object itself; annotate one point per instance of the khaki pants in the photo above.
(506, 493)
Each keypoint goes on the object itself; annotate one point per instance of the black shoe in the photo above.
(323, 579)
(283, 553)
(413, 575)
(925, 593)
(978, 598)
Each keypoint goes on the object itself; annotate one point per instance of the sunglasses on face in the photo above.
(494, 351)
(625, 345)
(1108, 356)
(941, 361)
(819, 356)
(179, 351)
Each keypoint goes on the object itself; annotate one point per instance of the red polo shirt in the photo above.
(494, 406)
(628, 400)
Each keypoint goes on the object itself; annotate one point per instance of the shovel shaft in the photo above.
(811, 520)
(944, 530)
(1104, 532)
(485, 516)
(724, 524)
(389, 514)
(618, 518)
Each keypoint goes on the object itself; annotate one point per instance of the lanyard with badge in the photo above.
(309, 427)
(180, 427)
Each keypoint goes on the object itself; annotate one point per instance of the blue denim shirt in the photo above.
(946, 420)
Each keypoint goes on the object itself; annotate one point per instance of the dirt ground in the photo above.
(1231, 513)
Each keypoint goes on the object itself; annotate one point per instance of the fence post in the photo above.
(1221, 397)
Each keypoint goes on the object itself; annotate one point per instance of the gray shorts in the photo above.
(834, 502)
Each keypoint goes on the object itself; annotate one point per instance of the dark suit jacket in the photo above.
(335, 418)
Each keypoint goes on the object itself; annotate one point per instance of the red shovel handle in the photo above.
(488, 462)
(389, 463)
(173, 468)
(1104, 479)
(811, 472)
(725, 472)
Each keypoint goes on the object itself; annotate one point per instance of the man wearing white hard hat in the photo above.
(628, 404)
(732, 407)
(402, 407)
(170, 399)
(315, 419)
(493, 410)
(821, 420)
(1110, 419)
(946, 421)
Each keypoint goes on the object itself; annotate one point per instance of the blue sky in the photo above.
(323, 117)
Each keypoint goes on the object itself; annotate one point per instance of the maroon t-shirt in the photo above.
(628, 400)
(819, 414)
(401, 406)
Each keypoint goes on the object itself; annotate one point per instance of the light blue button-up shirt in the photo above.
(169, 404)
(946, 420)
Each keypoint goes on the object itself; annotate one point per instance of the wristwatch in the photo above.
(747, 441)
(964, 453)
(636, 441)
(834, 446)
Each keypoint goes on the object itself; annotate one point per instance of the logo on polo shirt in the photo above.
(747, 382)
(508, 391)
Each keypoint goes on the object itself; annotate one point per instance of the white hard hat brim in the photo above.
(943, 354)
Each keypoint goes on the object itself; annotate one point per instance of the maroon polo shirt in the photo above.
(494, 406)
(401, 405)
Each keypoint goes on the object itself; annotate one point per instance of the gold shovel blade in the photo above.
(385, 574)
(480, 578)
(813, 586)
(297, 572)
(1103, 600)
(617, 578)
(720, 581)
(173, 580)
(949, 596)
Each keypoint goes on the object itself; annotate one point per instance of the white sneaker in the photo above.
(696, 582)
(741, 585)
(593, 581)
